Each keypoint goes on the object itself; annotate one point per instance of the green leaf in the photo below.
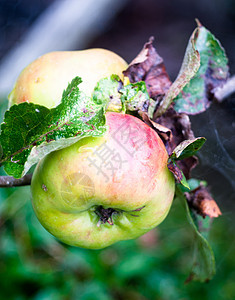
(30, 131)
(106, 93)
(195, 183)
(202, 223)
(203, 268)
(190, 66)
(135, 97)
(187, 148)
(213, 72)
(115, 97)
(184, 181)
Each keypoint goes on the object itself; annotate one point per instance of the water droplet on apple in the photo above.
(83, 149)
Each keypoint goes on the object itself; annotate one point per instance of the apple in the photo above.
(105, 189)
(43, 81)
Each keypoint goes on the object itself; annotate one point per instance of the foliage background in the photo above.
(33, 265)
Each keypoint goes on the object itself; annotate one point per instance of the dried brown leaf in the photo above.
(176, 171)
(164, 132)
(148, 66)
(201, 200)
(180, 127)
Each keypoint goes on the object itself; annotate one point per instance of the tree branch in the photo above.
(228, 88)
(8, 181)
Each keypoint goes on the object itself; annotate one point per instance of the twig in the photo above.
(8, 181)
(228, 88)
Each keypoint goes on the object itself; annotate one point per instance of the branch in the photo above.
(8, 181)
(228, 88)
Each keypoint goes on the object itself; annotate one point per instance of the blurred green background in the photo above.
(34, 265)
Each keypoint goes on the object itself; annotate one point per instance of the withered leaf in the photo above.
(188, 69)
(198, 94)
(180, 127)
(148, 66)
(178, 174)
(172, 127)
(163, 132)
(187, 164)
(187, 148)
(201, 200)
(178, 124)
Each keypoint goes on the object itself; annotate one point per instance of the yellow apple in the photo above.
(43, 81)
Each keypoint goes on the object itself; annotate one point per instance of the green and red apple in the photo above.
(105, 189)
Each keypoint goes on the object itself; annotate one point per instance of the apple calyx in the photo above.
(106, 214)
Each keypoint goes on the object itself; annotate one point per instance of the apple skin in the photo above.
(44, 80)
(68, 188)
